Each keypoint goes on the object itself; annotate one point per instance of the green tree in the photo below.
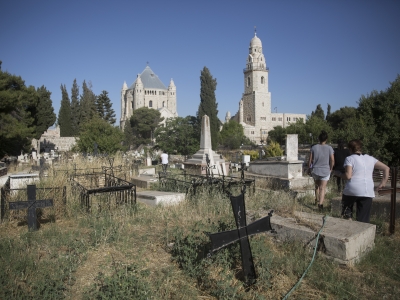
(381, 111)
(64, 114)
(75, 108)
(128, 136)
(43, 111)
(144, 121)
(87, 104)
(278, 134)
(107, 137)
(208, 104)
(232, 135)
(319, 112)
(315, 124)
(339, 119)
(274, 149)
(179, 135)
(17, 125)
(299, 128)
(104, 108)
(328, 112)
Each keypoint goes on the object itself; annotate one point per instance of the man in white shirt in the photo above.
(164, 161)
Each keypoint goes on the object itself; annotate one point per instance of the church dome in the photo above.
(255, 42)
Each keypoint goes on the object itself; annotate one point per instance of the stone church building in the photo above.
(148, 91)
(255, 106)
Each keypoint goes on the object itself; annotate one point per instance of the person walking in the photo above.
(359, 188)
(340, 154)
(164, 161)
(321, 162)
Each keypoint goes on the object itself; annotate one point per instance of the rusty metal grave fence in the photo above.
(122, 171)
(102, 191)
(7, 196)
(392, 191)
(190, 183)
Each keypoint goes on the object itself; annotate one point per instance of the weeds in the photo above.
(142, 252)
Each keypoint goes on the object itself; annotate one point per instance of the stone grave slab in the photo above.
(147, 171)
(155, 198)
(143, 181)
(342, 240)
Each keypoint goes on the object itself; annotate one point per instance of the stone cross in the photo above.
(222, 239)
(31, 205)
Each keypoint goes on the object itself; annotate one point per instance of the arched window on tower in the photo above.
(262, 80)
(248, 81)
(150, 103)
(163, 103)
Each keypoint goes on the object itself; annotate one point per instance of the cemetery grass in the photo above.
(142, 252)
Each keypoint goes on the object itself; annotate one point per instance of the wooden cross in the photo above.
(222, 239)
(31, 205)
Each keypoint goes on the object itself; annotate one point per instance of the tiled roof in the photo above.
(150, 80)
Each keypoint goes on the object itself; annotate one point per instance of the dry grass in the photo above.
(77, 247)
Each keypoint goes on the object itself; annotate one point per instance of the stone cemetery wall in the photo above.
(53, 143)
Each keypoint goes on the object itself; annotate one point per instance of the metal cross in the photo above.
(222, 239)
(31, 205)
(208, 167)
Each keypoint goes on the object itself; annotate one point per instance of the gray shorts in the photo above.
(317, 177)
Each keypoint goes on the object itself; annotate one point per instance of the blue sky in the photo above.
(318, 52)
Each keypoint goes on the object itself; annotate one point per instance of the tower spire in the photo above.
(255, 30)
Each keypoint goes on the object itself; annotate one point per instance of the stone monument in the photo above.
(198, 162)
(289, 171)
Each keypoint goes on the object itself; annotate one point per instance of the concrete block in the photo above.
(147, 171)
(144, 181)
(341, 240)
(159, 198)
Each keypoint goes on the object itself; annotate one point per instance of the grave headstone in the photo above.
(32, 204)
(292, 147)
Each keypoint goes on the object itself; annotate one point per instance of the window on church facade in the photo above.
(273, 119)
(262, 82)
(163, 103)
(263, 118)
(248, 119)
(150, 103)
(252, 132)
(287, 118)
(279, 119)
(248, 81)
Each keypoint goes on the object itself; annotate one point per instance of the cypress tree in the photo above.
(129, 139)
(75, 108)
(45, 116)
(104, 108)
(87, 104)
(208, 104)
(64, 114)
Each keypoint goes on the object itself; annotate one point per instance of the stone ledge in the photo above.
(344, 241)
(154, 198)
